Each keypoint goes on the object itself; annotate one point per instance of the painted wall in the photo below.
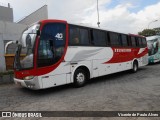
(2, 59)
(6, 14)
(11, 31)
(8, 31)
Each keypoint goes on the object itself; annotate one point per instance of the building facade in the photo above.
(11, 31)
(6, 13)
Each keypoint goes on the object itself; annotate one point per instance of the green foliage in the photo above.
(147, 32)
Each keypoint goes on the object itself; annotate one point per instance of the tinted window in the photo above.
(84, 35)
(74, 36)
(78, 36)
(52, 43)
(124, 40)
(133, 40)
(137, 41)
(107, 39)
(98, 38)
(140, 42)
(114, 39)
(129, 41)
(144, 43)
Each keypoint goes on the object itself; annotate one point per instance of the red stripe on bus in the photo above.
(119, 57)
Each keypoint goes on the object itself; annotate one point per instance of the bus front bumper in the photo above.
(31, 84)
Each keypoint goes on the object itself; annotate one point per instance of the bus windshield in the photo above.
(51, 44)
(25, 50)
(152, 46)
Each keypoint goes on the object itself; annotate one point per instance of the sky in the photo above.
(125, 16)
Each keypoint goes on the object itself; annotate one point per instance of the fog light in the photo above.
(30, 86)
(28, 77)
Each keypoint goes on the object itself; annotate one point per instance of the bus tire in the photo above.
(135, 67)
(80, 78)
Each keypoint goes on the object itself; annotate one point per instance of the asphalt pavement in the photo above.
(124, 91)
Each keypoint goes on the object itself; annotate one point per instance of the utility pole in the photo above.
(98, 23)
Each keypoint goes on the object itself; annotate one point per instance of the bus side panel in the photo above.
(60, 76)
(54, 80)
(143, 60)
(91, 57)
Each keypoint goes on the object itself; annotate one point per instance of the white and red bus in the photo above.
(54, 52)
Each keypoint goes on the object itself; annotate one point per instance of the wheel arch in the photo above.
(135, 60)
(134, 68)
(83, 67)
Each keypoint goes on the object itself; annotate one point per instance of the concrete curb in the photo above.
(6, 79)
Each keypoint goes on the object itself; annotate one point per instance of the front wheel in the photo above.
(135, 67)
(79, 78)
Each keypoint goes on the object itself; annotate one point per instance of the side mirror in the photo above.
(8, 43)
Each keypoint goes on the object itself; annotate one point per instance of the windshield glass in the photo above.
(52, 44)
(152, 46)
(25, 51)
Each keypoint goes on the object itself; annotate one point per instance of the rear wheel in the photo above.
(135, 67)
(80, 77)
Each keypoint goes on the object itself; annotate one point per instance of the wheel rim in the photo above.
(80, 77)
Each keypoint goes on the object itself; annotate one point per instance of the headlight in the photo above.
(28, 77)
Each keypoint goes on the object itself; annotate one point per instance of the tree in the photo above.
(147, 32)
(157, 30)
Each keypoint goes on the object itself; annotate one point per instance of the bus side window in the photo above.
(129, 41)
(114, 39)
(98, 38)
(133, 40)
(74, 38)
(84, 36)
(120, 39)
(144, 42)
(140, 42)
(137, 41)
(107, 39)
(124, 40)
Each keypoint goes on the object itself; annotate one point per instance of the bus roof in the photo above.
(152, 37)
(84, 25)
(136, 35)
